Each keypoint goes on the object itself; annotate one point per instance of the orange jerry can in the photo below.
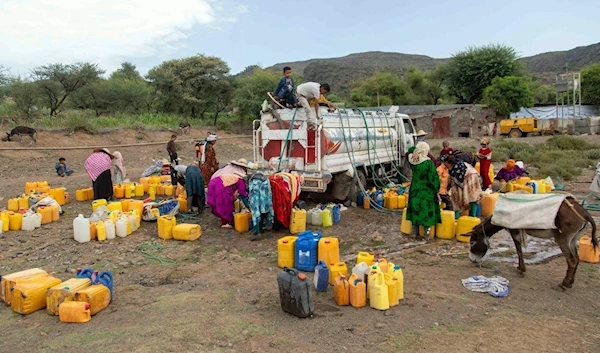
(74, 312)
(98, 296)
(358, 292)
(30, 296)
(587, 252)
(341, 290)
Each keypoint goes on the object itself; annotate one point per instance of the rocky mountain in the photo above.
(341, 72)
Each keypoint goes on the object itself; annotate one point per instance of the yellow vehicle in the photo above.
(519, 127)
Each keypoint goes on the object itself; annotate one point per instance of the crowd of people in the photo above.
(451, 179)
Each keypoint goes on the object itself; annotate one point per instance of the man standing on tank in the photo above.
(311, 91)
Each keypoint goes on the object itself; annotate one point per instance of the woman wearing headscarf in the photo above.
(420, 137)
(485, 161)
(466, 188)
(120, 172)
(222, 192)
(209, 157)
(423, 207)
(194, 188)
(240, 166)
(510, 171)
(98, 167)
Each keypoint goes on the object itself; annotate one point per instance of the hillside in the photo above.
(341, 72)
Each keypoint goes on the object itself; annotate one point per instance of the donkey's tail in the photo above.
(588, 217)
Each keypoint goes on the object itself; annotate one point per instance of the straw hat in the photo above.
(105, 150)
(240, 162)
(421, 133)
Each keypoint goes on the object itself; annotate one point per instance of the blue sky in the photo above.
(37, 32)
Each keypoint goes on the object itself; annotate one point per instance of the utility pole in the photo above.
(377, 85)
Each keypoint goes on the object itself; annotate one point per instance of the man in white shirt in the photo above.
(311, 91)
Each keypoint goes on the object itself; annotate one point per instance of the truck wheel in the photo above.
(514, 133)
(355, 188)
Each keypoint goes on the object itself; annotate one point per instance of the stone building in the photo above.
(452, 120)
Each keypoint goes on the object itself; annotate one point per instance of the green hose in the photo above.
(287, 138)
(350, 152)
(148, 251)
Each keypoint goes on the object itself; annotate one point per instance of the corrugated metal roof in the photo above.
(549, 112)
(414, 109)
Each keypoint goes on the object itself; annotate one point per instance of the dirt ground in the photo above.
(221, 295)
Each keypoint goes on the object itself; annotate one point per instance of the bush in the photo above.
(569, 143)
(593, 155)
(81, 120)
(223, 124)
(500, 154)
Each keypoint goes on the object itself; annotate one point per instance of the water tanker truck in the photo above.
(350, 146)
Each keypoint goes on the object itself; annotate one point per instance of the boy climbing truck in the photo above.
(349, 148)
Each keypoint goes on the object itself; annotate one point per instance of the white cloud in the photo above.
(37, 32)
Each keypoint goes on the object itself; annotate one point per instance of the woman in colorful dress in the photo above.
(485, 161)
(98, 167)
(209, 157)
(423, 205)
(510, 171)
(222, 193)
(466, 188)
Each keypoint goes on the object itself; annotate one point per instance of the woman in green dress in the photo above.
(423, 205)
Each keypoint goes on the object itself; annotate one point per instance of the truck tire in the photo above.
(355, 188)
(342, 185)
(515, 133)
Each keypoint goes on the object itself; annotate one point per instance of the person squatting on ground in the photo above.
(98, 166)
(311, 91)
(62, 169)
(423, 207)
(172, 149)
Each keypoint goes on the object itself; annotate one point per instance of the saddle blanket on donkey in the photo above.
(527, 211)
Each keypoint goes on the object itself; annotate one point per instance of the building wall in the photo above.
(464, 121)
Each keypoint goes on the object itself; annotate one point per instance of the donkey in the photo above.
(20, 131)
(570, 221)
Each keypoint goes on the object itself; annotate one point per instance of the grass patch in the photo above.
(561, 156)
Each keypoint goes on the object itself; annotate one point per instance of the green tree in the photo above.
(469, 72)
(590, 84)
(251, 91)
(4, 77)
(25, 95)
(127, 71)
(383, 88)
(508, 94)
(189, 86)
(115, 95)
(58, 81)
(542, 94)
